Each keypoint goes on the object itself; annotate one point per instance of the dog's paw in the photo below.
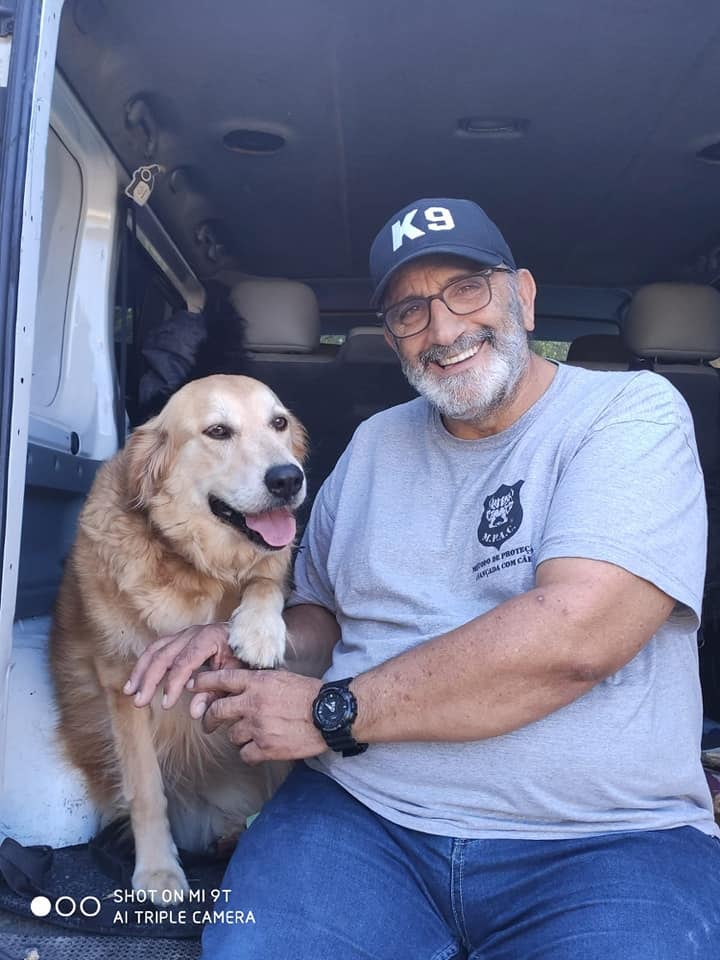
(154, 880)
(259, 641)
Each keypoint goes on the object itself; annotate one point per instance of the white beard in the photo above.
(472, 395)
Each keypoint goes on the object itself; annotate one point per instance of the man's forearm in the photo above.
(515, 664)
(312, 633)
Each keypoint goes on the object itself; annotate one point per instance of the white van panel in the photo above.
(80, 345)
(42, 80)
(83, 396)
(45, 799)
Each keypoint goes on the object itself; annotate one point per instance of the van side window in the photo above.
(62, 206)
(551, 349)
(149, 302)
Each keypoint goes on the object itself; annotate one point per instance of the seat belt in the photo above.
(128, 251)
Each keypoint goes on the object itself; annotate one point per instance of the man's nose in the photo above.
(445, 326)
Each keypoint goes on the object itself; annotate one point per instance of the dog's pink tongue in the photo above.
(276, 527)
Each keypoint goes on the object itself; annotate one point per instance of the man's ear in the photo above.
(149, 454)
(390, 341)
(527, 291)
(298, 438)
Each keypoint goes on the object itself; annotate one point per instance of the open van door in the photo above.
(28, 40)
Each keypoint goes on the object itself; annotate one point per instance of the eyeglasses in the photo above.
(466, 295)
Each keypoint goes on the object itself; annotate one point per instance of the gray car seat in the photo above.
(674, 329)
(599, 351)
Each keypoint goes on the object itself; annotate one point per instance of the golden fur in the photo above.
(150, 558)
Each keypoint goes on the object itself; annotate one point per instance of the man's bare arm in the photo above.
(517, 663)
(312, 633)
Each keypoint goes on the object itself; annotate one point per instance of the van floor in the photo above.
(11, 923)
(31, 940)
(20, 936)
(119, 927)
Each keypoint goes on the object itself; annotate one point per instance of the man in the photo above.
(507, 576)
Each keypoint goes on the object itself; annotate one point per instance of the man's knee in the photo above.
(322, 875)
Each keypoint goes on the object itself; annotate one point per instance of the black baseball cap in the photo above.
(437, 225)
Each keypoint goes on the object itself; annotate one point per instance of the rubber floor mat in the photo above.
(14, 947)
(72, 887)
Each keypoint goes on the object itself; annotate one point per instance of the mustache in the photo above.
(436, 353)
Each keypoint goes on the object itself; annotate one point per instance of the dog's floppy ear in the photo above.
(298, 438)
(149, 454)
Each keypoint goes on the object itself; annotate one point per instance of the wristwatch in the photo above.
(334, 711)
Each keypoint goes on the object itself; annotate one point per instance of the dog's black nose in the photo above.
(284, 481)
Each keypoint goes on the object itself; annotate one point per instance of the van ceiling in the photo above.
(600, 185)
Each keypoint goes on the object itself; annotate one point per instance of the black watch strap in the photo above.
(345, 743)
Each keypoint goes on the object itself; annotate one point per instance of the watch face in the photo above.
(332, 710)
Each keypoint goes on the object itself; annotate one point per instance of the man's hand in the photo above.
(172, 661)
(268, 713)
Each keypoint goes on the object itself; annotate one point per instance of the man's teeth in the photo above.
(459, 357)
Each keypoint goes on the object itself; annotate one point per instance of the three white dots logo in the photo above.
(65, 906)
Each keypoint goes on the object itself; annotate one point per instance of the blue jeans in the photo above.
(322, 876)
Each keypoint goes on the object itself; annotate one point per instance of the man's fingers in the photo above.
(223, 710)
(252, 754)
(173, 660)
(206, 644)
(239, 732)
(225, 659)
(143, 660)
(223, 681)
(200, 702)
(155, 667)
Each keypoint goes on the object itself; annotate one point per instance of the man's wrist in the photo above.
(334, 713)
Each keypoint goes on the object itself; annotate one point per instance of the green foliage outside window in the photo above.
(551, 349)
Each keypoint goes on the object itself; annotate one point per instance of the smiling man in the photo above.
(503, 754)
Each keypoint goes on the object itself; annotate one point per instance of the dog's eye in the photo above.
(280, 423)
(218, 431)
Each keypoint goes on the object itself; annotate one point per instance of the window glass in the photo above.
(552, 349)
(62, 205)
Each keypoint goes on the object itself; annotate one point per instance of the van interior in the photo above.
(214, 177)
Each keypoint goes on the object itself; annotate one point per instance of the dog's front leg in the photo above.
(257, 628)
(156, 860)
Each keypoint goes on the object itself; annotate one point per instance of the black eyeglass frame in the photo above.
(486, 274)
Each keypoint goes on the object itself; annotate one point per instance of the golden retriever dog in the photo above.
(192, 522)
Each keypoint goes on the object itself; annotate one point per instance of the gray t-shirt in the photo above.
(416, 532)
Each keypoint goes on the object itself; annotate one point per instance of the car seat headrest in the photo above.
(281, 316)
(599, 347)
(366, 345)
(675, 322)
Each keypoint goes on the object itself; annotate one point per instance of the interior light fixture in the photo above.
(710, 153)
(253, 141)
(491, 127)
